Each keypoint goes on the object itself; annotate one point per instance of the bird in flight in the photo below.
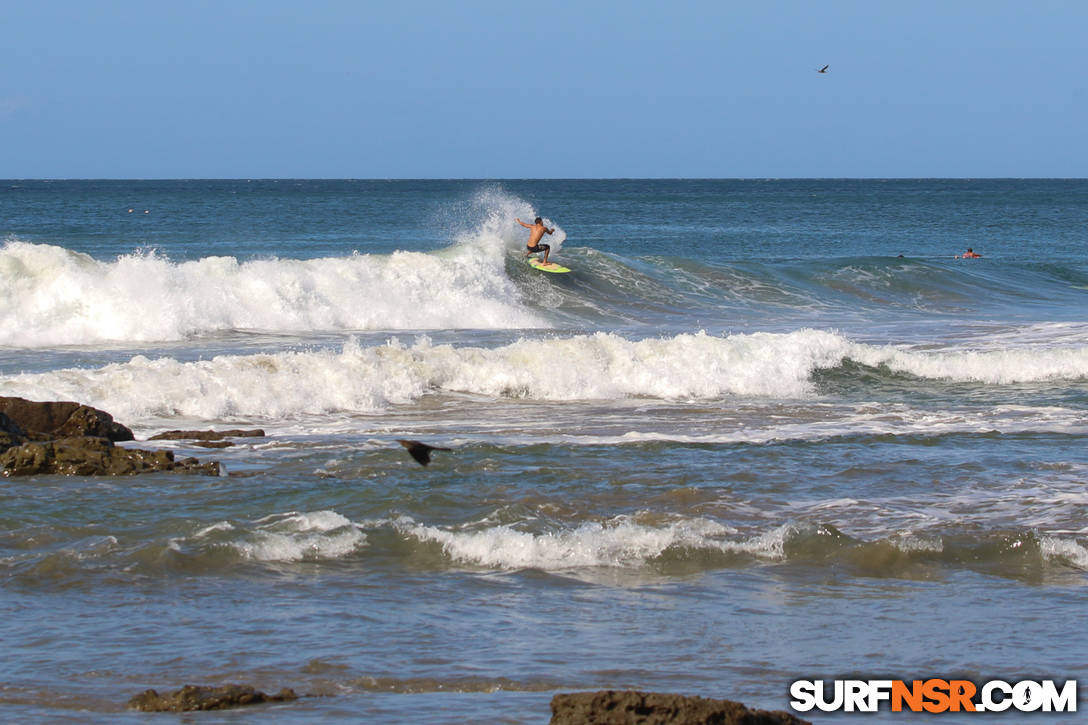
(824, 69)
(420, 451)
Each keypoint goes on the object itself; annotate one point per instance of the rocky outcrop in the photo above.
(90, 456)
(10, 433)
(52, 420)
(206, 435)
(207, 438)
(619, 707)
(193, 697)
(76, 440)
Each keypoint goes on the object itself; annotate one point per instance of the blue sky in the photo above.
(505, 89)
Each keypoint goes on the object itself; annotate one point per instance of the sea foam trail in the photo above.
(602, 366)
(54, 296)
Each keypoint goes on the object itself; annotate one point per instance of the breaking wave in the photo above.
(286, 537)
(53, 296)
(601, 366)
(702, 544)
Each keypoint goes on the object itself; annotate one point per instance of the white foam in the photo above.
(996, 367)
(1065, 550)
(911, 543)
(488, 220)
(292, 536)
(602, 366)
(54, 296)
(220, 526)
(619, 542)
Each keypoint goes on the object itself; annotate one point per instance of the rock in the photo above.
(52, 420)
(193, 697)
(192, 465)
(10, 433)
(206, 435)
(77, 440)
(91, 456)
(619, 707)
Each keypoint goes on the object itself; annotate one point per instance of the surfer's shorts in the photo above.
(539, 248)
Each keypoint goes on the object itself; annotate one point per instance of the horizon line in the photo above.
(545, 178)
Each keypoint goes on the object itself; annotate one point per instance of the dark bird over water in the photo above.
(824, 69)
(421, 451)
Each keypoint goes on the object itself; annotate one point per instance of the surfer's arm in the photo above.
(549, 231)
(527, 226)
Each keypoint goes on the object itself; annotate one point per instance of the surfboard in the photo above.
(549, 267)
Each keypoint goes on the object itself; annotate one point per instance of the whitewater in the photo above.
(602, 366)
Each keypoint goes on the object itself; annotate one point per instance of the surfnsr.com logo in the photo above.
(933, 695)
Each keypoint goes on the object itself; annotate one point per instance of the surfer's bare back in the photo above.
(537, 231)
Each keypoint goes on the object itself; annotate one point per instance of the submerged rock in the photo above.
(627, 707)
(206, 435)
(194, 697)
(90, 456)
(52, 420)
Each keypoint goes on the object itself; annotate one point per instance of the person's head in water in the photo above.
(538, 221)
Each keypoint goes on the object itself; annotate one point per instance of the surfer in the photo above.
(970, 254)
(537, 231)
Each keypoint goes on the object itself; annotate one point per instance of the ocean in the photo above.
(763, 431)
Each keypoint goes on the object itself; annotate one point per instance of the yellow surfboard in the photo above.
(549, 267)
